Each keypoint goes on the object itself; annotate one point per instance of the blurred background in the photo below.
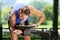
(46, 6)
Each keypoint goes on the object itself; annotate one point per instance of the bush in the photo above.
(58, 20)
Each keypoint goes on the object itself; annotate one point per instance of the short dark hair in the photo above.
(26, 11)
(19, 9)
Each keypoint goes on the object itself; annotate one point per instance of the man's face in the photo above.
(20, 15)
(19, 11)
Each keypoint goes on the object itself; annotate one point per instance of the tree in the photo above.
(4, 13)
(38, 4)
(48, 11)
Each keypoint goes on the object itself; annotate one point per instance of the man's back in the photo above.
(15, 8)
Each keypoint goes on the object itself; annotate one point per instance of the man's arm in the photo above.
(38, 14)
(12, 18)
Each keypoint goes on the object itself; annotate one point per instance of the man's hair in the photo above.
(26, 11)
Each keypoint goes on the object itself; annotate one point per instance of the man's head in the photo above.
(25, 10)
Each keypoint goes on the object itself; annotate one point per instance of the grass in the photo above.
(21, 39)
(5, 26)
(7, 37)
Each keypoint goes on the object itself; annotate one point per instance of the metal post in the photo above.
(55, 19)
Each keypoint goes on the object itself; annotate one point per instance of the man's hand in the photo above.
(34, 25)
(18, 31)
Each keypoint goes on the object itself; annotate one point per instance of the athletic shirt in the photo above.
(16, 7)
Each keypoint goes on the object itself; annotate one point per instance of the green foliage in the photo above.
(38, 4)
(58, 20)
(34, 18)
(4, 13)
(44, 22)
(59, 10)
(33, 36)
(48, 11)
(59, 6)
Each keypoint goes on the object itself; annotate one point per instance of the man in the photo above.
(22, 13)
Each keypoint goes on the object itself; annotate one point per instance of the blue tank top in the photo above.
(16, 7)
